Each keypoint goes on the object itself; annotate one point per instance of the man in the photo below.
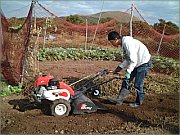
(137, 61)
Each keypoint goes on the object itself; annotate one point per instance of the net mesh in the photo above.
(14, 47)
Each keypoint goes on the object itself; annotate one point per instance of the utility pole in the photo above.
(131, 20)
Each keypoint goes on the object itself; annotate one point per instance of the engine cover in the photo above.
(56, 94)
(53, 84)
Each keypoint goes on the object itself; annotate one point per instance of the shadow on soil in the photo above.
(23, 105)
(173, 129)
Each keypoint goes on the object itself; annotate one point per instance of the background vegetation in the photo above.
(160, 64)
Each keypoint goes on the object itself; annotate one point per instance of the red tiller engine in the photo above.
(62, 98)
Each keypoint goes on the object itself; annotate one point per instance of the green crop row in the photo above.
(94, 53)
(9, 89)
(160, 64)
(166, 65)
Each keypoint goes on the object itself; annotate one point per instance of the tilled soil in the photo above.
(158, 115)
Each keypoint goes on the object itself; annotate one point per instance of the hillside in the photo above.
(118, 15)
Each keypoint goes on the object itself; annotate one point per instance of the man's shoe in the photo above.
(116, 101)
(119, 100)
(134, 104)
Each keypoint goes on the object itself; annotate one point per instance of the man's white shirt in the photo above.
(136, 53)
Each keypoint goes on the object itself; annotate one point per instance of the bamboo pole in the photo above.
(97, 23)
(86, 35)
(26, 48)
(44, 45)
(161, 39)
(1, 38)
(35, 14)
(131, 20)
(120, 31)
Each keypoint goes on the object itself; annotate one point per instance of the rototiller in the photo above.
(63, 99)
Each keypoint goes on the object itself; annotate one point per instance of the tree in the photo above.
(103, 20)
(75, 19)
(170, 28)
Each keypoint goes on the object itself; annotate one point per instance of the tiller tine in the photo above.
(83, 104)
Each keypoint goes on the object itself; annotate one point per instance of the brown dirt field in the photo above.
(158, 115)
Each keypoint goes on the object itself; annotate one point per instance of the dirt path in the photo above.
(158, 115)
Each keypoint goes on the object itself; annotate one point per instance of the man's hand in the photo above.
(118, 69)
(127, 75)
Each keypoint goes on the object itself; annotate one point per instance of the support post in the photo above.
(131, 20)
(45, 33)
(34, 14)
(120, 31)
(26, 45)
(86, 36)
(161, 39)
(2, 43)
(98, 23)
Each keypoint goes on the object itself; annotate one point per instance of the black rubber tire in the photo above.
(63, 104)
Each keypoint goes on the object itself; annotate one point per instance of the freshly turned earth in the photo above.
(158, 115)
